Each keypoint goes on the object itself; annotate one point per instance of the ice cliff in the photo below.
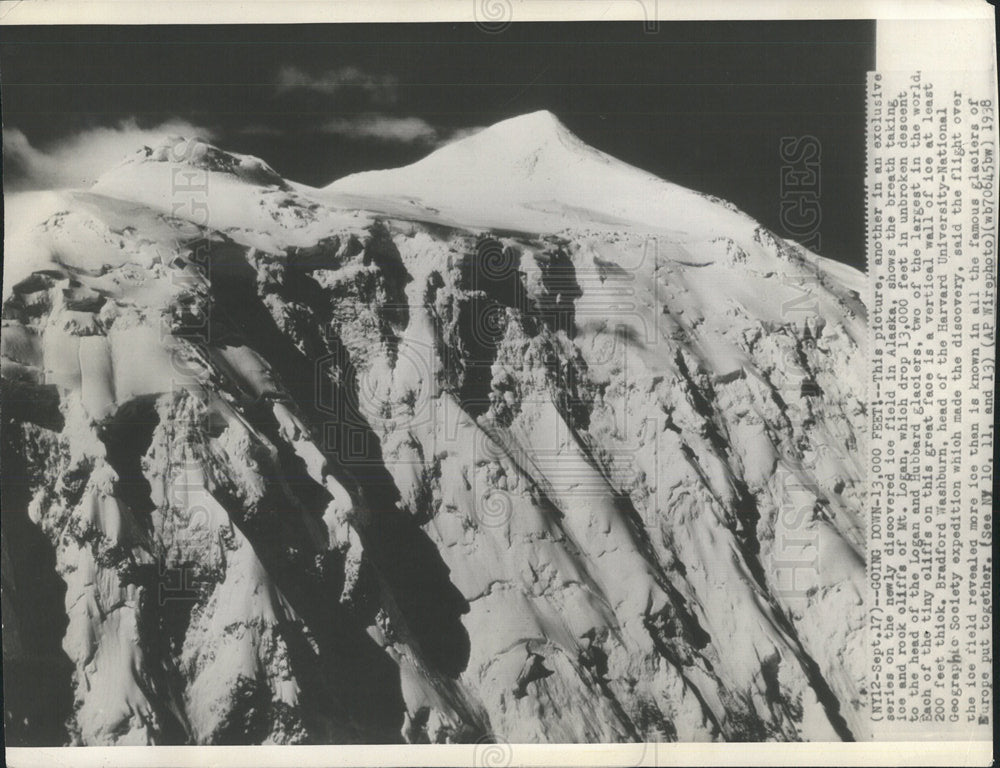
(518, 443)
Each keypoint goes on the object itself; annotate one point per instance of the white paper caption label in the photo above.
(932, 208)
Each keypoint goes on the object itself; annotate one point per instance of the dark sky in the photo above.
(705, 105)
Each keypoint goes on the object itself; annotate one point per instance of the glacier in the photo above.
(517, 443)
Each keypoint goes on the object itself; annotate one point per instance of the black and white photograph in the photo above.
(484, 382)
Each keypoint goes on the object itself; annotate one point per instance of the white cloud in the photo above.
(461, 133)
(381, 92)
(399, 130)
(402, 130)
(77, 160)
(381, 89)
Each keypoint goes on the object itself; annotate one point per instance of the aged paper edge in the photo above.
(319, 11)
(973, 753)
(897, 47)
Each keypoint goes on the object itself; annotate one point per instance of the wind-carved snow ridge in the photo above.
(517, 442)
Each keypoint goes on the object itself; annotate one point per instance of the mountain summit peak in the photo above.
(531, 173)
(199, 153)
(525, 132)
(542, 119)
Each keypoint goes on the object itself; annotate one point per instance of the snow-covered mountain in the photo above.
(517, 442)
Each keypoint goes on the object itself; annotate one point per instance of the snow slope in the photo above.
(531, 172)
(516, 442)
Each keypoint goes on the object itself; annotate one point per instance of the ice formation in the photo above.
(517, 442)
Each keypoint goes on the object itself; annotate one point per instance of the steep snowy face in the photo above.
(517, 442)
